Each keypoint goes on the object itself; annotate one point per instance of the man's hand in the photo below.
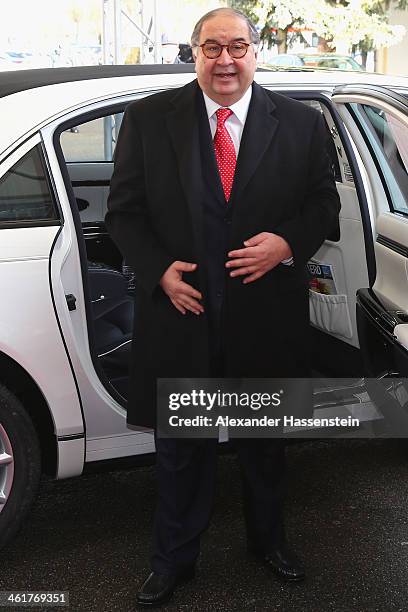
(262, 253)
(182, 295)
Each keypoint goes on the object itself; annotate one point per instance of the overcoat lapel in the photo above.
(183, 128)
(259, 130)
(210, 171)
(182, 124)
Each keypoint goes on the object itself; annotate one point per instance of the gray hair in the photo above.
(253, 34)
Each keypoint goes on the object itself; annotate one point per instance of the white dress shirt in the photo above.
(234, 124)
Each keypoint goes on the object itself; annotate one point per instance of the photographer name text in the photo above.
(286, 421)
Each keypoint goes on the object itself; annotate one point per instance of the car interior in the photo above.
(342, 265)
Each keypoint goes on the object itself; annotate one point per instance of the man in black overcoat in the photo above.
(221, 192)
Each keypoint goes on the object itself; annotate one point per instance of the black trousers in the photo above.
(186, 474)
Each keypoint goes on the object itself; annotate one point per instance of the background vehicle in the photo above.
(11, 60)
(23, 60)
(329, 60)
(5, 62)
(65, 325)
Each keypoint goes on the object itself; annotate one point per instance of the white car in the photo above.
(66, 303)
(316, 60)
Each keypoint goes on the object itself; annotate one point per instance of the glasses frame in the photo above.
(222, 47)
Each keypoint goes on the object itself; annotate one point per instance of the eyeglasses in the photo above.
(235, 49)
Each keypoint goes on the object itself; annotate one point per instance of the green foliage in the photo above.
(247, 7)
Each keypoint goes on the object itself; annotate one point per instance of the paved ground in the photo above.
(347, 516)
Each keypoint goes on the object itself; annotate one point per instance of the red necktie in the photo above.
(224, 151)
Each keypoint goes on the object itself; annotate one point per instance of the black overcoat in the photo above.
(283, 184)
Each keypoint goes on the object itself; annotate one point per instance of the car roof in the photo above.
(36, 97)
(15, 81)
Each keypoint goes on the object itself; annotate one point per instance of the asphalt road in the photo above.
(346, 515)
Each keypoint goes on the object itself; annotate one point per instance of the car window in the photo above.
(25, 194)
(287, 60)
(283, 61)
(388, 138)
(330, 146)
(93, 141)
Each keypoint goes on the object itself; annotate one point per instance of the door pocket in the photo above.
(330, 313)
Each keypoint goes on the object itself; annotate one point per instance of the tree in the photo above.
(87, 18)
(379, 8)
(361, 24)
(77, 15)
(248, 7)
(278, 17)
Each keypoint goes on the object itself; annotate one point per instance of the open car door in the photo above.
(377, 119)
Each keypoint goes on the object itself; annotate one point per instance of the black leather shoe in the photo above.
(283, 562)
(157, 589)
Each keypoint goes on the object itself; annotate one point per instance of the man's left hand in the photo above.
(261, 253)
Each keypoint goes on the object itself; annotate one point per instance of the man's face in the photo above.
(225, 79)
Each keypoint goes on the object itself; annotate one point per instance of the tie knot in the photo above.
(222, 115)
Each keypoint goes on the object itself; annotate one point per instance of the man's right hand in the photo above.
(182, 295)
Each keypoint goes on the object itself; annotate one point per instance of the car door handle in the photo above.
(71, 301)
(82, 204)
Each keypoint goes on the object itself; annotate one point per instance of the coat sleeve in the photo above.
(128, 219)
(318, 217)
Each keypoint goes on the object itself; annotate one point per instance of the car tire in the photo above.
(20, 464)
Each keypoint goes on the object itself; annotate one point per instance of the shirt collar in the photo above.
(240, 108)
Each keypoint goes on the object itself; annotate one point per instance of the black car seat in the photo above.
(112, 308)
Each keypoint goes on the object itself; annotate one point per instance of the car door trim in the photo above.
(90, 183)
(393, 245)
(382, 93)
(358, 181)
(70, 437)
(54, 305)
(374, 309)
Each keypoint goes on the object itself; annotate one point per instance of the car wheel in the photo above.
(20, 464)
